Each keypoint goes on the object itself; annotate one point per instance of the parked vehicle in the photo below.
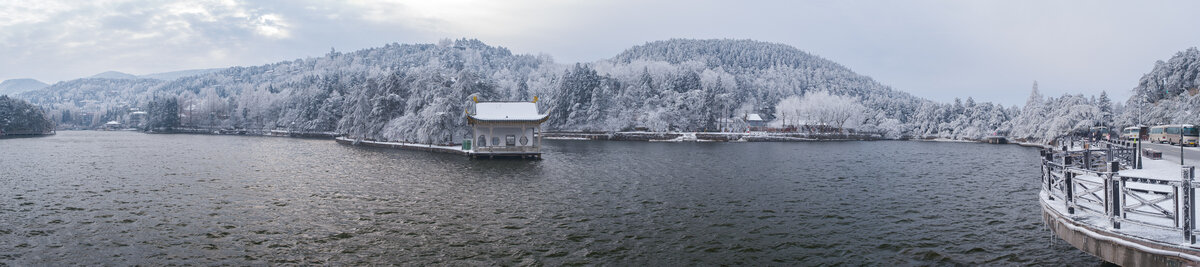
(1157, 134)
(1135, 133)
(1182, 134)
(1099, 132)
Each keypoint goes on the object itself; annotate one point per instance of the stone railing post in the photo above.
(1066, 179)
(1049, 173)
(1087, 158)
(1189, 203)
(1113, 185)
(1109, 151)
(1137, 154)
(1069, 180)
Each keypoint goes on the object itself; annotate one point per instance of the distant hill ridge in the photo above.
(113, 75)
(17, 86)
(166, 76)
(745, 54)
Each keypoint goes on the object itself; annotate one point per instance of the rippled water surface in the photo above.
(121, 198)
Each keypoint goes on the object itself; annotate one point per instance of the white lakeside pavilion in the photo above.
(506, 129)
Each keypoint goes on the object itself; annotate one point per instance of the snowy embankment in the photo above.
(1152, 220)
(402, 145)
(1009, 140)
(709, 136)
(949, 140)
(215, 131)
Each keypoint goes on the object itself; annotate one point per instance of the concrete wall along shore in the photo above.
(713, 136)
(408, 146)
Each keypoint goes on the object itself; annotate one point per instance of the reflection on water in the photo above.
(105, 198)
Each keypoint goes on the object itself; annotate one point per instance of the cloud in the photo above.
(271, 25)
(992, 50)
(132, 34)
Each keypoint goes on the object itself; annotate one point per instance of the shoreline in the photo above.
(710, 136)
(272, 133)
(670, 137)
(27, 135)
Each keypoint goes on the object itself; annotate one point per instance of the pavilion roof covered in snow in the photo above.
(507, 112)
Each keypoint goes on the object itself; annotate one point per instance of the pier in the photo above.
(1105, 199)
(487, 152)
(400, 145)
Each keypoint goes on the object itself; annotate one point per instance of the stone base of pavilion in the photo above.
(482, 152)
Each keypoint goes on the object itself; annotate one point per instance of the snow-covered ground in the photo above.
(1157, 169)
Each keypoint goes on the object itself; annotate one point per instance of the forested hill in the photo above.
(734, 77)
(20, 117)
(418, 92)
(1169, 93)
(729, 54)
(411, 92)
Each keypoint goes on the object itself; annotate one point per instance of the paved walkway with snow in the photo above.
(1191, 155)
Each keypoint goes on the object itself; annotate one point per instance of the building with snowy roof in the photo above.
(137, 119)
(112, 125)
(756, 122)
(511, 129)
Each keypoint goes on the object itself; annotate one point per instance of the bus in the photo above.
(1134, 133)
(1181, 134)
(1099, 132)
(1156, 134)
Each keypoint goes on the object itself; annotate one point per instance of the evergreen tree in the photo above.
(163, 114)
(1106, 108)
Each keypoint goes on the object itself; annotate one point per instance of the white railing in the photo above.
(1157, 202)
(507, 149)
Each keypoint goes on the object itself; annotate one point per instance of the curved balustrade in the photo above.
(1089, 185)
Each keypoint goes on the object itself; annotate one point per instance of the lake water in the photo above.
(123, 198)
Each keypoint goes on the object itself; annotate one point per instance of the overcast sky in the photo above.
(990, 50)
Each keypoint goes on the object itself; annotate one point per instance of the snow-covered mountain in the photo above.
(17, 86)
(113, 75)
(166, 76)
(691, 84)
(418, 92)
(172, 75)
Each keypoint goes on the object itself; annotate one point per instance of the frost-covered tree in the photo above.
(20, 117)
(1167, 94)
(162, 113)
(419, 92)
